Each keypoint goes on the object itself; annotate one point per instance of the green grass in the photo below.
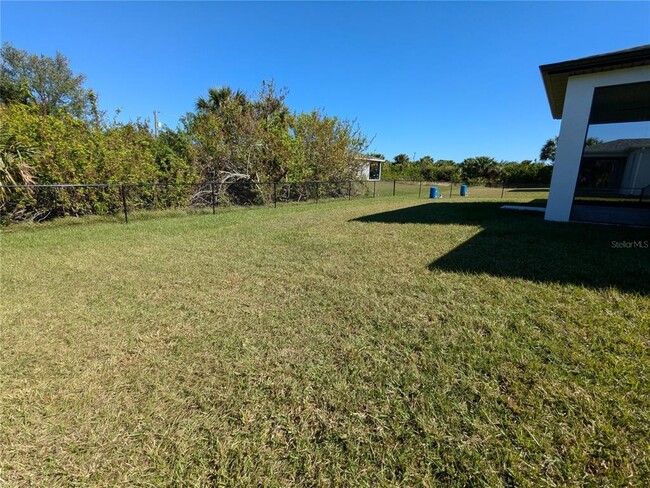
(447, 191)
(375, 342)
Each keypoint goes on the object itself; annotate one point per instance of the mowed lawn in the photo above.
(379, 342)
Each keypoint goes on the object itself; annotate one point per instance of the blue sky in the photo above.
(450, 80)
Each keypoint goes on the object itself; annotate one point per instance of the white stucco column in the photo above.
(570, 143)
(573, 131)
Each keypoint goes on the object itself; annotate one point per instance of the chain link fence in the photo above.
(38, 203)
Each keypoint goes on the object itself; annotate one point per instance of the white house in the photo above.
(371, 170)
(604, 89)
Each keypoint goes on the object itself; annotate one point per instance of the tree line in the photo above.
(53, 131)
(477, 170)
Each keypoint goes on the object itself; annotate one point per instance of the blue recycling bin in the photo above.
(463, 190)
(433, 192)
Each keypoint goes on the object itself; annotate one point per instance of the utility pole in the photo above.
(155, 123)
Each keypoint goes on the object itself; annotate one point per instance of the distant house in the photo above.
(622, 165)
(371, 170)
(608, 182)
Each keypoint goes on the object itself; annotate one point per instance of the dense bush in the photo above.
(66, 149)
(526, 172)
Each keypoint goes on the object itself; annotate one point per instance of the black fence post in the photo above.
(214, 203)
(317, 191)
(275, 194)
(58, 200)
(420, 190)
(126, 212)
(374, 189)
(503, 189)
(350, 190)
(451, 188)
(394, 183)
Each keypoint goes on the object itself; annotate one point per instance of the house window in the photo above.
(374, 172)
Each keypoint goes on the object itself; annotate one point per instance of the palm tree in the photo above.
(548, 150)
(401, 160)
(218, 97)
(215, 99)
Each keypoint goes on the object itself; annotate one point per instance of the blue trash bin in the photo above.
(433, 192)
(463, 190)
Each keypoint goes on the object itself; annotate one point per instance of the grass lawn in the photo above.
(387, 341)
(447, 191)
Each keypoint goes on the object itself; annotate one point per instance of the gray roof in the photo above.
(618, 146)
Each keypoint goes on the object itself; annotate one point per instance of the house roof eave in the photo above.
(556, 75)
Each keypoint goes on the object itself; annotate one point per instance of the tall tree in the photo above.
(46, 82)
(240, 138)
(325, 148)
(219, 98)
(480, 167)
(401, 160)
(547, 153)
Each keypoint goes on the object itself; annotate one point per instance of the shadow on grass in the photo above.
(519, 244)
(537, 202)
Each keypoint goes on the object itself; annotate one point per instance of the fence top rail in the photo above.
(207, 182)
(214, 182)
(64, 185)
(160, 183)
(101, 185)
